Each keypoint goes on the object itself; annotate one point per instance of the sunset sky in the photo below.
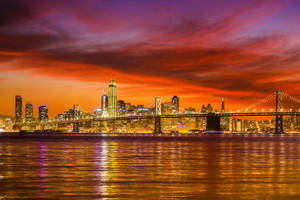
(61, 53)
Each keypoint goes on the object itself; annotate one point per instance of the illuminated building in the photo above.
(104, 104)
(18, 109)
(207, 109)
(8, 124)
(43, 113)
(121, 107)
(97, 112)
(128, 109)
(166, 108)
(29, 113)
(175, 105)
(189, 110)
(61, 117)
(71, 114)
(112, 98)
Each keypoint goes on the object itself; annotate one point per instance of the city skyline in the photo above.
(149, 99)
(110, 106)
(57, 52)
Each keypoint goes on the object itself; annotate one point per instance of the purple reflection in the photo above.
(42, 171)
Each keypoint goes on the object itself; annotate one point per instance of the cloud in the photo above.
(13, 12)
(166, 53)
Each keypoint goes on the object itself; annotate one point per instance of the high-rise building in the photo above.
(167, 108)
(121, 108)
(207, 109)
(223, 105)
(18, 109)
(104, 104)
(175, 105)
(112, 98)
(29, 113)
(97, 112)
(43, 113)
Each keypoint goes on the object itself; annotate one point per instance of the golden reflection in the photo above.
(211, 167)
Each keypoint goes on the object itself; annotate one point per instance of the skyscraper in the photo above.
(112, 98)
(175, 105)
(121, 107)
(223, 105)
(104, 104)
(43, 113)
(18, 109)
(29, 112)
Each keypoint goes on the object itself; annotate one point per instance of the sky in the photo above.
(64, 52)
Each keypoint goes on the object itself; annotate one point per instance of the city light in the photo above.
(119, 116)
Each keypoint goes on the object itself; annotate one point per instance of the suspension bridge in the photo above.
(275, 101)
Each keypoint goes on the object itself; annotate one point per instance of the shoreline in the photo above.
(151, 137)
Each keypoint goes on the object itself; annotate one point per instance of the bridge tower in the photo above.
(157, 119)
(279, 109)
(223, 105)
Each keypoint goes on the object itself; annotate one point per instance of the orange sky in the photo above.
(60, 53)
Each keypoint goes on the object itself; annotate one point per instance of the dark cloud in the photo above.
(13, 12)
(27, 42)
(169, 55)
(225, 69)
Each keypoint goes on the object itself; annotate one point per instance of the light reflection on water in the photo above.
(209, 167)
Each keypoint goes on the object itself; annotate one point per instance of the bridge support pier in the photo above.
(75, 127)
(279, 124)
(157, 124)
(279, 109)
(197, 123)
(213, 123)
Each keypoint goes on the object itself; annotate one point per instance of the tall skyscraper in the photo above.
(29, 113)
(104, 104)
(121, 107)
(175, 105)
(223, 105)
(43, 113)
(112, 98)
(18, 109)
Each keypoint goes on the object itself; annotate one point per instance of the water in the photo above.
(205, 167)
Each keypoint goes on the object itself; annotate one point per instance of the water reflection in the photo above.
(227, 167)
